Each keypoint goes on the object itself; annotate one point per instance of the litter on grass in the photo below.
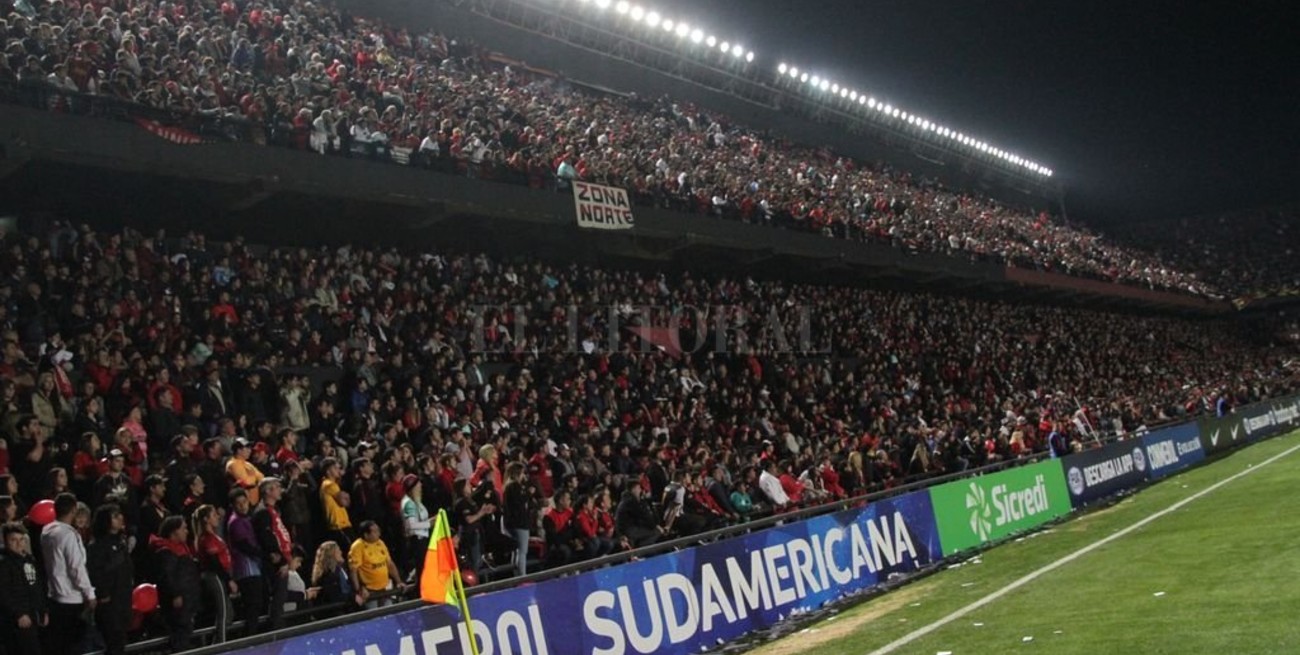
(979, 625)
(1159, 594)
(1027, 639)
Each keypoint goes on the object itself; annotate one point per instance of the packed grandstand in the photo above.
(305, 410)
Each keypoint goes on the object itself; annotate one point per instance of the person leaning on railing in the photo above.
(372, 566)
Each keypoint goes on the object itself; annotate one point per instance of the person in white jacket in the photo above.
(70, 591)
(770, 484)
(418, 524)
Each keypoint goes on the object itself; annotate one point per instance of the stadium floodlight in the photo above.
(905, 115)
(668, 25)
(826, 84)
(853, 95)
(782, 68)
(636, 12)
(803, 77)
(652, 19)
(749, 56)
(816, 81)
(724, 47)
(737, 50)
(711, 41)
(602, 4)
(897, 112)
(682, 30)
(794, 72)
(697, 35)
(835, 88)
(871, 102)
(622, 7)
(844, 92)
(862, 99)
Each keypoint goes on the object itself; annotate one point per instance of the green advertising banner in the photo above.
(978, 510)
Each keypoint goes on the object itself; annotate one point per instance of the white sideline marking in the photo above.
(1030, 577)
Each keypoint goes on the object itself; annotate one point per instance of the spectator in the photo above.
(335, 502)
(372, 567)
(418, 522)
(770, 483)
(113, 577)
(516, 514)
(178, 581)
(215, 565)
(471, 518)
(70, 590)
(276, 545)
(330, 575)
(23, 607)
(246, 561)
(241, 473)
(636, 521)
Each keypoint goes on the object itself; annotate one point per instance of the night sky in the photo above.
(1146, 110)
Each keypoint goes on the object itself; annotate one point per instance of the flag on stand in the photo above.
(440, 581)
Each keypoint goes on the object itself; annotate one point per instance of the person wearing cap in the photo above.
(114, 482)
(416, 517)
(242, 473)
(277, 546)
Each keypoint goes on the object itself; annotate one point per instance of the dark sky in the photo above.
(1144, 109)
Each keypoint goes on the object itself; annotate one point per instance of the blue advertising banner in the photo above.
(674, 603)
(1268, 418)
(1100, 472)
(1172, 449)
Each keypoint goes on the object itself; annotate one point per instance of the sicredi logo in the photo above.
(1010, 505)
(1075, 478)
(980, 511)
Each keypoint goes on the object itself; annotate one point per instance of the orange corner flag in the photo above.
(438, 580)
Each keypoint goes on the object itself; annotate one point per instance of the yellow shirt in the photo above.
(336, 515)
(245, 476)
(371, 562)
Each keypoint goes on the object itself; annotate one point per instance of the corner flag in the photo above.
(440, 581)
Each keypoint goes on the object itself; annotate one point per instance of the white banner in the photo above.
(601, 207)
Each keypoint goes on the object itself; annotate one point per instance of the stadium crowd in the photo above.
(1249, 255)
(279, 426)
(301, 74)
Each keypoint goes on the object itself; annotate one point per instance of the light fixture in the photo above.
(737, 50)
(725, 47)
(853, 95)
(622, 7)
(749, 56)
(835, 88)
(816, 81)
(826, 84)
(697, 35)
(602, 4)
(711, 41)
(844, 92)
(803, 77)
(682, 30)
(782, 68)
(652, 19)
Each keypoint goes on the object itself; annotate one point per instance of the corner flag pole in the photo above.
(463, 602)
